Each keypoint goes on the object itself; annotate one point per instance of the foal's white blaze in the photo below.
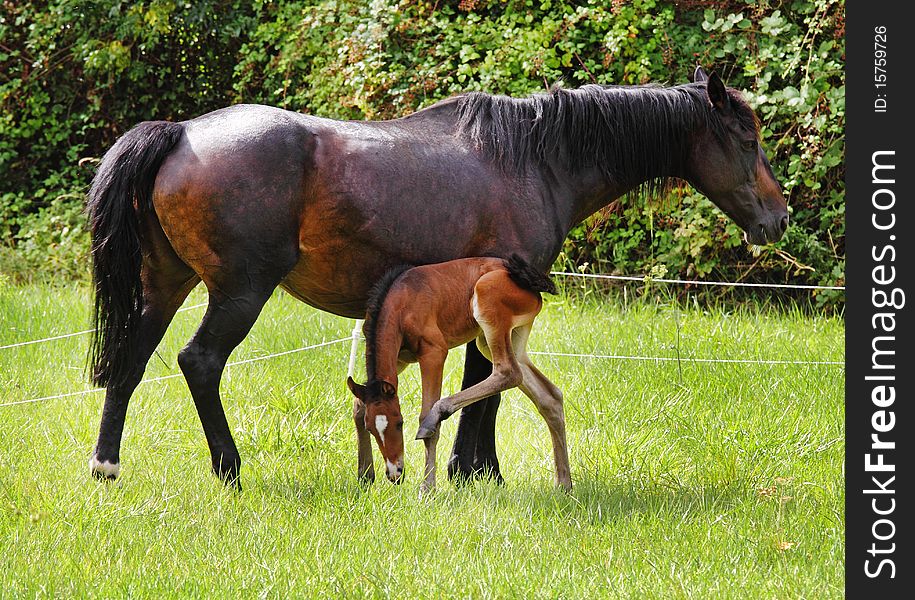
(106, 469)
(381, 423)
(392, 469)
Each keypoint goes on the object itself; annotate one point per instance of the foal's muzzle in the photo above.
(395, 471)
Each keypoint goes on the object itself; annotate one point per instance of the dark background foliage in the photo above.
(74, 75)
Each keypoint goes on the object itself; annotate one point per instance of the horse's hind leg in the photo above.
(229, 317)
(166, 283)
(474, 450)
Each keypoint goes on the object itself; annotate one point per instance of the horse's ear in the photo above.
(717, 95)
(355, 388)
(388, 390)
(699, 75)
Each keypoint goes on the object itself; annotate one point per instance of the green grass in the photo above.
(720, 481)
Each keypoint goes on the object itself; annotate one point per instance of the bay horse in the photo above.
(417, 315)
(248, 198)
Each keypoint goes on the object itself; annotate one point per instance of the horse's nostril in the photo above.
(783, 224)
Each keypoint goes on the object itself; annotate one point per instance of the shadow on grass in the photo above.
(599, 501)
(593, 501)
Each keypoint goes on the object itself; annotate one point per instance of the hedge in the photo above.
(75, 75)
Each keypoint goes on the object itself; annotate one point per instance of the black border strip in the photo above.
(878, 129)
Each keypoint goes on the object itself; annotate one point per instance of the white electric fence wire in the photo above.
(694, 282)
(563, 273)
(173, 375)
(356, 336)
(76, 333)
(744, 361)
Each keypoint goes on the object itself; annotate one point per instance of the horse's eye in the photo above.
(748, 145)
(400, 426)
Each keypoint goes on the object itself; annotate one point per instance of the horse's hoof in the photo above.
(459, 472)
(233, 482)
(228, 474)
(104, 470)
(488, 468)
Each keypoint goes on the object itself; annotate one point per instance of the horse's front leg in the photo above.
(431, 366)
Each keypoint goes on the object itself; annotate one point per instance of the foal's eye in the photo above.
(400, 426)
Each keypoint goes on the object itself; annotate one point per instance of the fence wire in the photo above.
(174, 375)
(355, 337)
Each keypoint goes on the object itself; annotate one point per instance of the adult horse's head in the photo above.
(727, 164)
(384, 421)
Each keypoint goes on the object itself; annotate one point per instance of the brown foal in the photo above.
(417, 315)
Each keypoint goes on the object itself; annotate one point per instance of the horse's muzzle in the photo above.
(769, 232)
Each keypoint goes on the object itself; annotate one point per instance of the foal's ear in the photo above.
(387, 389)
(699, 75)
(717, 95)
(355, 388)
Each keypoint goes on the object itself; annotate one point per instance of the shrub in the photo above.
(79, 74)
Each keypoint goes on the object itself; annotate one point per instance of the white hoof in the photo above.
(104, 470)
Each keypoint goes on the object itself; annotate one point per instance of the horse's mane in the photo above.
(630, 132)
(377, 295)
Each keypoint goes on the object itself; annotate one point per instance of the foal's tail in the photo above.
(527, 276)
(120, 195)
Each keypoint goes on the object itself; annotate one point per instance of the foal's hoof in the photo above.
(425, 431)
(429, 425)
(104, 470)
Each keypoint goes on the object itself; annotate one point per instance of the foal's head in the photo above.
(728, 165)
(384, 421)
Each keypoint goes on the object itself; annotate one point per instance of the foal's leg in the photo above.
(226, 323)
(505, 375)
(166, 283)
(431, 366)
(366, 468)
(548, 400)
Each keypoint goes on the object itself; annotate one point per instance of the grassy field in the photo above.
(695, 480)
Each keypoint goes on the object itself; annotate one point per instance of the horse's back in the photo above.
(326, 206)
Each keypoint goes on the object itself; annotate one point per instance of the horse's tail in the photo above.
(527, 276)
(120, 195)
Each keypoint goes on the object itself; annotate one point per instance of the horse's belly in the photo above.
(327, 289)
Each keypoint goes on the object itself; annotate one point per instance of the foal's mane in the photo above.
(377, 295)
(631, 133)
